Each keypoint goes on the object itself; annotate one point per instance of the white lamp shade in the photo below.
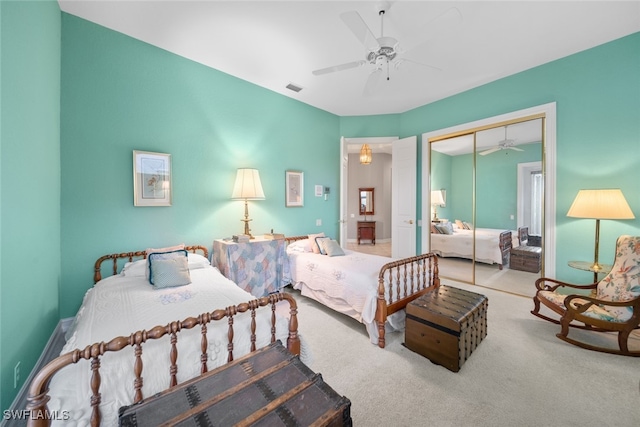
(600, 204)
(248, 185)
(436, 197)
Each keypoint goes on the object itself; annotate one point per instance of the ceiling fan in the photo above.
(383, 52)
(505, 144)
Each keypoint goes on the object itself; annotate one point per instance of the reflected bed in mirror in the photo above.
(366, 201)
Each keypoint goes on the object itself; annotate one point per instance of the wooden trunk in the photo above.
(446, 325)
(269, 387)
(526, 258)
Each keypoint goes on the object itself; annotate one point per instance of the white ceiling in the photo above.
(274, 43)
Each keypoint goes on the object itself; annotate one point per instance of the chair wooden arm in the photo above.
(581, 308)
(542, 286)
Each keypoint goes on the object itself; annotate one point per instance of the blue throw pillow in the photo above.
(333, 248)
(168, 270)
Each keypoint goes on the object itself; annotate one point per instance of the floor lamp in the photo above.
(600, 204)
(247, 187)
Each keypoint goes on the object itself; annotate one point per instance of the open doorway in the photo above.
(375, 223)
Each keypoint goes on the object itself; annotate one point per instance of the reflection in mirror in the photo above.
(452, 168)
(366, 201)
(494, 188)
(509, 197)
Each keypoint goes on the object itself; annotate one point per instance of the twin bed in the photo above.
(492, 246)
(97, 374)
(372, 289)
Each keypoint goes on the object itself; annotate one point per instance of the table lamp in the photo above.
(247, 187)
(436, 199)
(600, 204)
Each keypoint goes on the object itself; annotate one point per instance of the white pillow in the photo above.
(300, 246)
(314, 245)
(197, 261)
(135, 268)
(140, 267)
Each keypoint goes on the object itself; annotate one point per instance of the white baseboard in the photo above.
(50, 352)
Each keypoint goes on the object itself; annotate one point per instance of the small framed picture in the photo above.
(151, 179)
(294, 189)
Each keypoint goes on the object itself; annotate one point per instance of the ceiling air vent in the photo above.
(294, 87)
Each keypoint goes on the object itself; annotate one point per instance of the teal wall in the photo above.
(598, 134)
(119, 95)
(71, 144)
(497, 186)
(370, 126)
(29, 185)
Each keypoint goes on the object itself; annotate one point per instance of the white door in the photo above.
(344, 190)
(403, 197)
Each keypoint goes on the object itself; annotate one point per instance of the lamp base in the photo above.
(246, 220)
(247, 231)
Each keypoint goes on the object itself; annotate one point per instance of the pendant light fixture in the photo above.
(365, 154)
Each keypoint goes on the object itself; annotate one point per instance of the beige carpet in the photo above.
(520, 375)
(489, 276)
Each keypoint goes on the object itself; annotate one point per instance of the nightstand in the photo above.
(259, 266)
(367, 231)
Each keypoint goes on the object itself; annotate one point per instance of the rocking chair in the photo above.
(613, 306)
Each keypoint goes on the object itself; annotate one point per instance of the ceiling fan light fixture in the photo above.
(365, 154)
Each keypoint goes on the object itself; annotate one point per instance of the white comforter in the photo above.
(120, 305)
(348, 284)
(460, 244)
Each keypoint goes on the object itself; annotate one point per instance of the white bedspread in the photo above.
(120, 305)
(460, 244)
(347, 284)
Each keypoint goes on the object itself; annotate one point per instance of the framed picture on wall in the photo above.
(151, 179)
(294, 189)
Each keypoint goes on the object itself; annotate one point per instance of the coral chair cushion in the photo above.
(623, 282)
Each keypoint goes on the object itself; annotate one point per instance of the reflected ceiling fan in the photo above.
(383, 52)
(505, 144)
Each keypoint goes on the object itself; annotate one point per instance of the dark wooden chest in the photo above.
(269, 387)
(526, 258)
(446, 325)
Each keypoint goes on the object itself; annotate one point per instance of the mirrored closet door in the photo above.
(493, 178)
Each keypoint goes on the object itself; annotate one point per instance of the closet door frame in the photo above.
(545, 111)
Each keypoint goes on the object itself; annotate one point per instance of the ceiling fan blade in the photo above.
(354, 21)
(403, 60)
(373, 82)
(341, 67)
(443, 24)
(515, 148)
(490, 150)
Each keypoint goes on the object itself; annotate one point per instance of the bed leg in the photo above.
(293, 341)
(381, 341)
